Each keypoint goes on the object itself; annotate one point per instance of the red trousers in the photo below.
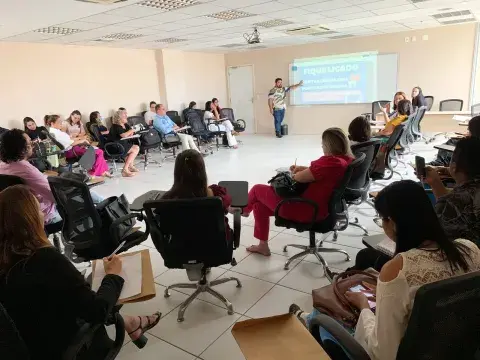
(262, 200)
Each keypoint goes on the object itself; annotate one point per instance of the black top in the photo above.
(45, 295)
(37, 133)
(116, 130)
(419, 101)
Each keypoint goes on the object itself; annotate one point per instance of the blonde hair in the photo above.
(117, 117)
(335, 142)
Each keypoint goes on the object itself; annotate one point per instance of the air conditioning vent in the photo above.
(451, 14)
(229, 46)
(102, 2)
(308, 30)
(459, 21)
(342, 36)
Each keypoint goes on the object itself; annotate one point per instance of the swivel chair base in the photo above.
(314, 249)
(202, 286)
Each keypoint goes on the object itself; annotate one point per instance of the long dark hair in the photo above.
(208, 106)
(418, 100)
(75, 112)
(407, 204)
(94, 116)
(26, 121)
(189, 176)
(465, 157)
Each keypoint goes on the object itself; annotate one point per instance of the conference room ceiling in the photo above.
(219, 25)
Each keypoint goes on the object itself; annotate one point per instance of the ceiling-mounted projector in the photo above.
(253, 38)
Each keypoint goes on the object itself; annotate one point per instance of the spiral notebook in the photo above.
(386, 246)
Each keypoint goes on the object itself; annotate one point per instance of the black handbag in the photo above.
(75, 176)
(285, 186)
(112, 209)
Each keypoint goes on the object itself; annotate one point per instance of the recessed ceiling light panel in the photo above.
(170, 40)
(57, 30)
(452, 14)
(168, 5)
(273, 23)
(122, 36)
(230, 15)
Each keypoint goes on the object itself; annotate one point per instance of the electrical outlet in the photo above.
(407, 39)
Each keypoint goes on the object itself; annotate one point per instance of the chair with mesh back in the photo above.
(239, 125)
(112, 150)
(199, 129)
(137, 120)
(451, 105)
(389, 152)
(376, 108)
(84, 236)
(416, 130)
(443, 325)
(430, 100)
(475, 109)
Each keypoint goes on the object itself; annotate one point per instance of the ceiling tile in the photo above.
(235, 4)
(134, 11)
(298, 2)
(293, 13)
(360, 2)
(385, 4)
(168, 17)
(327, 5)
(170, 26)
(201, 20)
(360, 15)
(395, 9)
(265, 8)
(140, 23)
(342, 11)
(30, 37)
(105, 19)
(80, 25)
(203, 9)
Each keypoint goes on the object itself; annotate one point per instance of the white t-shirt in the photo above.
(62, 138)
(149, 117)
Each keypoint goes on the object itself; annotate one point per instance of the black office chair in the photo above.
(430, 101)
(171, 113)
(150, 139)
(416, 130)
(12, 346)
(83, 235)
(50, 229)
(357, 190)
(200, 245)
(392, 142)
(376, 108)
(113, 151)
(136, 120)
(199, 129)
(451, 105)
(239, 125)
(443, 324)
(337, 211)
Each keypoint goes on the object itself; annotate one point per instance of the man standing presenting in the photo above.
(276, 103)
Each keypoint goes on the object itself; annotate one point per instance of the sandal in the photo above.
(142, 339)
(126, 173)
(133, 169)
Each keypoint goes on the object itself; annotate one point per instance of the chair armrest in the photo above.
(312, 203)
(114, 145)
(353, 349)
(119, 337)
(236, 228)
(83, 337)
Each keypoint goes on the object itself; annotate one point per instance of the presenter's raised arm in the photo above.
(293, 87)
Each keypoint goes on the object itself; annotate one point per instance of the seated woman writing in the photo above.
(74, 149)
(15, 150)
(45, 295)
(404, 109)
(423, 254)
(212, 120)
(322, 176)
(190, 181)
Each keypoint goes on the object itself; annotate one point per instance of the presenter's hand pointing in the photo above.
(300, 83)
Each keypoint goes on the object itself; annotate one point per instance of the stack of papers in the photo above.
(131, 273)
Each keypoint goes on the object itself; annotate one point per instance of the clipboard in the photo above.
(281, 337)
(148, 286)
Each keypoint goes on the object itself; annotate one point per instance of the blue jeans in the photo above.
(278, 115)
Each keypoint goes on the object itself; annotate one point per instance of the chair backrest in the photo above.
(361, 174)
(336, 204)
(195, 120)
(418, 119)
(429, 100)
(451, 105)
(88, 159)
(394, 139)
(475, 109)
(53, 139)
(95, 131)
(189, 231)
(171, 113)
(227, 113)
(407, 134)
(10, 180)
(12, 345)
(444, 323)
(82, 223)
(377, 105)
(135, 120)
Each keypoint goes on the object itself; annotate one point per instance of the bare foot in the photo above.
(260, 249)
(107, 174)
(235, 147)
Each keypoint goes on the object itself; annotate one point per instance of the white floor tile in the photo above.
(336, 260)
(305, 277)
(277, 302)
(242, 298)
(247, 238)
(268, 268)
(154, 350)
(239, 254)
(175, 276)
(225, 347)
(203, 324)
(278, 243)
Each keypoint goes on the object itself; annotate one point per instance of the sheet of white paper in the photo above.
(131, 273)
(387, 246)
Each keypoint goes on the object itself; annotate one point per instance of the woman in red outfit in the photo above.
(322, 175)
(190, 181)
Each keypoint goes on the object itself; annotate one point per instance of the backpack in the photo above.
(150, 138)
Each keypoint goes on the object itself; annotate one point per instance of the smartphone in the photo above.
(368, 293)
(420, 166)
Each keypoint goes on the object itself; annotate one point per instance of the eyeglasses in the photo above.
(378, 221)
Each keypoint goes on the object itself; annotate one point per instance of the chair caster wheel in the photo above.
(166, 294)
(286, 267)
(180, 319)
(230, 312)
(285, 248)
(348, 258)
